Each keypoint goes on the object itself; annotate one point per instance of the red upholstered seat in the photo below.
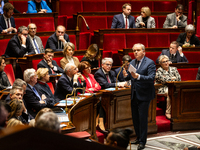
(173, 36)
(3, 44)
(107, 54)
(82, 134)
(192, 57)
(21, 6)
(188, 73)
(115, 5)
(109, 21)
(198, 26)
(84, 40)
(191, 8)
(137, 5)
(132, 39)
(158, 40)
(72, 39)
(10, 73)
(161, 20)
(51, 87)
(164, 6)
(44, 40)
(57, 59)
(113, 42)
(62, 20)
(22, 22)
(94, 6)
(70, 7)
(44, 23)
(35, 63)
(79, 57)
(70, 23)
(95, 23)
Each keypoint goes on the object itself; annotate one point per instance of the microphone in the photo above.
(77, 28)
(116, 88)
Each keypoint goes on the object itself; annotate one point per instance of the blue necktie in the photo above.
(34, 90)
(36, 46)
(137, 65)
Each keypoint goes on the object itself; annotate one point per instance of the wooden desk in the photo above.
(185, 103)
(83, 114)
(117, 105)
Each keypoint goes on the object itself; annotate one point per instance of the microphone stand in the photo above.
(77, 28)
(116, 87)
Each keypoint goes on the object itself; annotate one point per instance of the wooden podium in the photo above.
(117, 105)
(185, 101)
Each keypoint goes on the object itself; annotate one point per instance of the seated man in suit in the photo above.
(68, 81)
(33, 100)
(124, 20)
(105, 76)
(174, 53)
(35, 40)
(58, 39)
(7, 22)
(126, 59)
(176, 19)
(49, 63)
(19, 44)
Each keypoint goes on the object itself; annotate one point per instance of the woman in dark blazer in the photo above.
(188, 39)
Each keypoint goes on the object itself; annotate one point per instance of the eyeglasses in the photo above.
(88, 68)
(33, 28)
(165, 61)
(24, 34)
(108, 64)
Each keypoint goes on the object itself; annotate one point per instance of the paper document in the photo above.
(132, 69)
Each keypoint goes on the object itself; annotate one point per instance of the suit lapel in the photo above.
(142, 64)
(123, 23)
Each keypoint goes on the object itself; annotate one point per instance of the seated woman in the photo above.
(163, 74)
(4, 82)
(68, 53)
(93, 56)
(38, 6)
(145, 20)
(91, 84)
(43, 87)
(188, 39)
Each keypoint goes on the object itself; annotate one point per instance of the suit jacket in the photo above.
(39, 43)
(64, 61)
(144, 87)
(121, 76)
(15, 49)
(150, 22)
(32, 101)
(178, 57)
(118, 21)
(102, 79)
(52, 42)
(198, 74)
(170, 21)
(4, 82)
(64, 87)
(43, 64)
(162, 76)
(32, 7)
(194, 39)
(3, 23)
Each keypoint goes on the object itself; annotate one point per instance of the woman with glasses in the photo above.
(145, 20)
(163, 74)
(91, 84)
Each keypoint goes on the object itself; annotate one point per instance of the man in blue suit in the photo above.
(7, 22)
(142, 92)
(124, 20)
(174, 53)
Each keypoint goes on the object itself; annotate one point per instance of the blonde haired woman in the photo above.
(145, 20)
(68, 53)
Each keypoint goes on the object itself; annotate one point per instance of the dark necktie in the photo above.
(107, 76)
(137, 65)
(36, 46)
(8, 23)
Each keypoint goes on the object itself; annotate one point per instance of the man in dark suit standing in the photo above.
(49, 63)
(67, 82)
(58, 39)
(124, 20)
(19, 44)
(7, 22)
(174, 53)
(105, 76)
(142, 92)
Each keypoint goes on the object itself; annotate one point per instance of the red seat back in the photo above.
(198, 26)
(51, 87)
(44, 40)
(158, 40)
(173, 36)
(22, 22)
(79, 57)
(44, 23)
(84, 40)
(137, 5)
(188, 73)
(115, 5)
(132, 39)
(21, 6)
(35, 63)
(72, 39)
(94, 6)
(57, 59)
(161, 20)
(192, 57)
(10, 73)
(109, 21)
(164, 6)
(3, 47)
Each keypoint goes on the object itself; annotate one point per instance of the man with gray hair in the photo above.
(48, 121)
(105, 76)
(19, 44)
(68, 81)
